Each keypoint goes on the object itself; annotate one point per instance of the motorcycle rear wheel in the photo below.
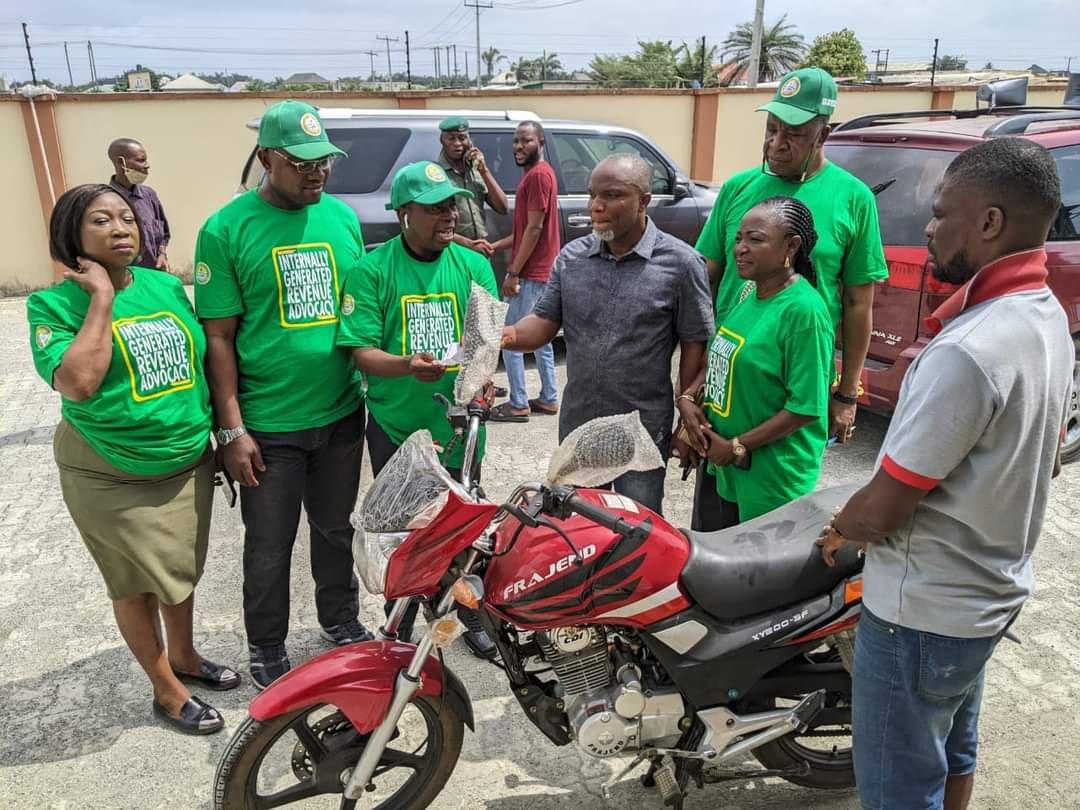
(320, 747)
(831, 766)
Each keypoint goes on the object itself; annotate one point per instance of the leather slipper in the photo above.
(538, 406)
(505, 413)
(196, 717)
(211, 676)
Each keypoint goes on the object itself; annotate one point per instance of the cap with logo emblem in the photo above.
(455, 123)
(425, 183)
(802, 96)
(295, 127)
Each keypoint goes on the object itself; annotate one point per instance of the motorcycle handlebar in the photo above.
(572, 502)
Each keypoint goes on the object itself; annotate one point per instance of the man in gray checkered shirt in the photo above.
(625, 296)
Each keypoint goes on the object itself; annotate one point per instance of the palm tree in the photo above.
(782, 48)
(492, 56)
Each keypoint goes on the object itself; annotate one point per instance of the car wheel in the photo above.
(1070, 448)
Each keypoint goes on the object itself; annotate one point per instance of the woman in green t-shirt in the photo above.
(765, 386)
(122, 347)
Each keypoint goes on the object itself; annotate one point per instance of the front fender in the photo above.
(358, 679)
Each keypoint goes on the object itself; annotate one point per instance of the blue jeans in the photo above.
(521, 305)
(647, 488)
(915, 712)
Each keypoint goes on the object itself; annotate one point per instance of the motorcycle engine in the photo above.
(609, 709)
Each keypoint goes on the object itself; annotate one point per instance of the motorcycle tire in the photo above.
(829, 770)
(235, 782)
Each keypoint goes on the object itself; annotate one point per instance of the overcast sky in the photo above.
(268, 38)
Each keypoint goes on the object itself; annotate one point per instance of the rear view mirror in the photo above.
(681, 189)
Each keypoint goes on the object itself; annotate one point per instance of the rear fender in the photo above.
(359, 679)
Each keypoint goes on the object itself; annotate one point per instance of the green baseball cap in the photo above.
(296, 128)
(802, 96)
(425, 183)
(455, 123)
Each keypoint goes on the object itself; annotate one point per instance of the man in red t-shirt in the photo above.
(535, 243)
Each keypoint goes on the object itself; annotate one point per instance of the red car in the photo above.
(902, 161)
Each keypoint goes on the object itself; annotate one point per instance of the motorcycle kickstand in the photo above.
(715, 776)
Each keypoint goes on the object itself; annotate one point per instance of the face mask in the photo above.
(134, 176)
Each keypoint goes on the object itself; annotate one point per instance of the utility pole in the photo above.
(877, 52)
(438, 77)
(454, 46)
(543, 65)
(371, 54)
(466, 67)
(703, 61)
(477, 5)
(933, 65)
(29, 55)
(449, 79)
(755, 45)
(93, 66)
(408, 63)
(1068, 65)
(389, 70)
(71, 79)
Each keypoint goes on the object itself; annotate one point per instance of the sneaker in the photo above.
(268, 664)
(475, 637)
(349, 632)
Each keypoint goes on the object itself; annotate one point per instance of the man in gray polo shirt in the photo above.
(953, 513)
(625, 296)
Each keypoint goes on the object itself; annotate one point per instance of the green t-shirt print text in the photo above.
(307, 282)
(430, 323)
(159, 353)
(718, 376)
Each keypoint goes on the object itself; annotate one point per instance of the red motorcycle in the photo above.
(615, 630)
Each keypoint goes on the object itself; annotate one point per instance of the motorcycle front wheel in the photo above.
(304, 758)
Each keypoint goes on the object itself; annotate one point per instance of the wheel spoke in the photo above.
(302, 790)
(392, 758)
(312, 744)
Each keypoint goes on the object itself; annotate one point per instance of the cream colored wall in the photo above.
(666, 119)
(25, 261)
(197, 148)
(740, 129)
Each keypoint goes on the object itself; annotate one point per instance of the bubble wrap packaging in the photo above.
(600, 451)
(408, 494)
(480, 343)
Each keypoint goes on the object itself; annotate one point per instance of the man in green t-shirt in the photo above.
(848, 256)
(287, 401)
(402, 312)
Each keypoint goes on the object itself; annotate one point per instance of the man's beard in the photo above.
(604, 236)
(956, 270)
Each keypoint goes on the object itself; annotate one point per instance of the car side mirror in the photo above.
(681, 188)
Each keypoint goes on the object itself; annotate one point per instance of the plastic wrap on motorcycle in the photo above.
(359, 680)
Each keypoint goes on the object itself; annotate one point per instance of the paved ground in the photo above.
(75, 709)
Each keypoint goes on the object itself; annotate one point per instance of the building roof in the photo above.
(306, 78)
(188, 82)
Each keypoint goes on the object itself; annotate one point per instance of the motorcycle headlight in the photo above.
(371, 553)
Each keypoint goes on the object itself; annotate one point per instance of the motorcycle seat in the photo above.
(768, 562)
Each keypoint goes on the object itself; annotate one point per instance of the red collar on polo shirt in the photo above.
(1017, 272)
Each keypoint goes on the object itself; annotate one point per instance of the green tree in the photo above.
(988, 66)
(782, 48)
(547, 66)
(839, 53)
(689, 67)
(491, 59)
(656, 64)
(951, 63)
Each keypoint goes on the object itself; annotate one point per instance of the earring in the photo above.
(787, 262)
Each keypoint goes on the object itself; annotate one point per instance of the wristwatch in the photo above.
(737, 447)
(227, 436)
(845, 398)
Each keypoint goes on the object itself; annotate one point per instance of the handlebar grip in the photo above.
(599, 515)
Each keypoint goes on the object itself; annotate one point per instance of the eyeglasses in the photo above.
(308, 166)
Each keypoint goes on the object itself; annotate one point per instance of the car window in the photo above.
(1067, 224)
(903, 181)
(372, 154)
(578, 154)
(498, 149)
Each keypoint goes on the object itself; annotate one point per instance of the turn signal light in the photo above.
(445, 630)
(468, 591)
(853, 590)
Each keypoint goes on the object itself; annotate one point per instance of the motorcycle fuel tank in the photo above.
(538, 581)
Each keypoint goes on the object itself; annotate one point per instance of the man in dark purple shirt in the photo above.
(130, 170)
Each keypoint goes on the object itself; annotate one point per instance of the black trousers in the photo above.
(711, 512)
(380, 448)
(319, 468)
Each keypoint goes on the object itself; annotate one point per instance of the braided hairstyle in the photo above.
(797, 221)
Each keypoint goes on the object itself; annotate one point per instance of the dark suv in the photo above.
(902, 160)
(379, 142)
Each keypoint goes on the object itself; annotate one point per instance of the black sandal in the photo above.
(211, 676)
(196, 717)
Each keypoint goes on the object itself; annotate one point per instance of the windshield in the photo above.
(903, 180)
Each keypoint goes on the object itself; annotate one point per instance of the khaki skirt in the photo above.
(146, 534)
